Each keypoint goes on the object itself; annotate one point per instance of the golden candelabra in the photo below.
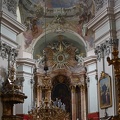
(116, 63)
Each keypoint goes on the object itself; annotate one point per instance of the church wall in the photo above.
(91, 67)
(93, 93)
(29, 92)
(90, 63)
(103, 29)
(8, 36)
(103, 66)
(28, 103)
(27, 55)
(90, 52)
(25, 70)
(117, 17)
(92, 88)
(109, 71)
(118, 25)
(10, 33)
(22, 52)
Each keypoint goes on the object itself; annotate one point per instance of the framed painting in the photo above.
(105, 91)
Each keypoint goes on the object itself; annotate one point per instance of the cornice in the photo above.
(22, 73)
(90, 60)
(102, 17)
(102, 36)
(4, 38)
(13, 24)
(26, 61)
(117, 9)
(93, 72)
(117, 16)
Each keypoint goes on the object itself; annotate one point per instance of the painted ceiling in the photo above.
(61, 17)
(61, 3)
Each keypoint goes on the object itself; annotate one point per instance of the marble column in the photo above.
(38, 94)
(73, 103)
(78, 103)
(83, 103)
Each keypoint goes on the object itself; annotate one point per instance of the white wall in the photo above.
(103, 31)
(28, 90)
(93, 94)
(92, 88)
(25, 70)
(10, 34)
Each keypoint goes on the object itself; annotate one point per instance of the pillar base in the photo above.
(11, 117)
(117, 117)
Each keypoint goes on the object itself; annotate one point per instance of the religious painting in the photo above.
(105, 91)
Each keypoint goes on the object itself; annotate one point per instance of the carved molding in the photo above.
(10, 5)
(100, 4)
(100, 18)
(7, 52)
(103, 49)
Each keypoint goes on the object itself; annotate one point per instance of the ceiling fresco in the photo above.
(60, 3)
(59, 17)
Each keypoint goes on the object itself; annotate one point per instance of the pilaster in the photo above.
(25, 68)
(73, 102)
(9, 26)
(83, 103)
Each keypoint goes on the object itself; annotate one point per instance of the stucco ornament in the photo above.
(100, 4)
(10, 5)
(61, 55)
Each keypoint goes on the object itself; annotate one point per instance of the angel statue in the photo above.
(40, 59)
(80, 59)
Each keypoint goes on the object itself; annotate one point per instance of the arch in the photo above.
(71, 36)
(61, 91)
(50, 32)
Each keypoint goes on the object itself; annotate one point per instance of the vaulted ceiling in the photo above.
(61, 17)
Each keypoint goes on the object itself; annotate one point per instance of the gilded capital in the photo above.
(73, 89)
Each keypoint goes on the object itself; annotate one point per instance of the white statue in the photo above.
(80, 59)
(63, 106)
(39, 60)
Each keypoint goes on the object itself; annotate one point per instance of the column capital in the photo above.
(72, 88)
(82, 88)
